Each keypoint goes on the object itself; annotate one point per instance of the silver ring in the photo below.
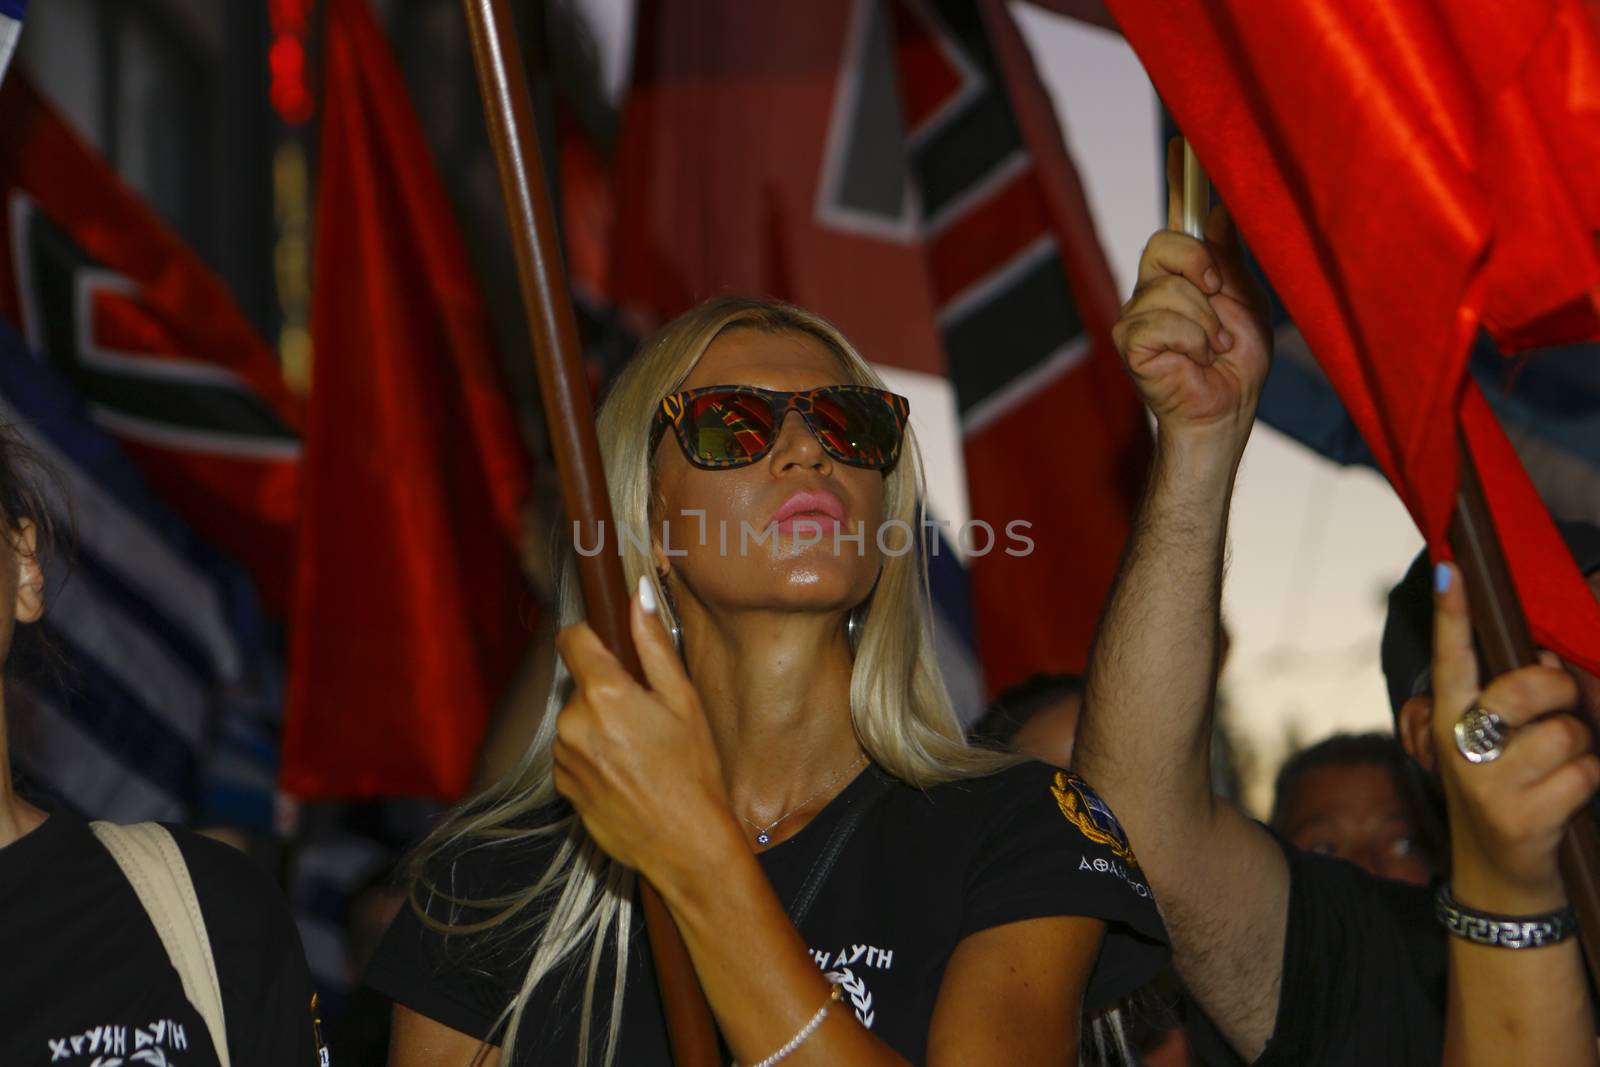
(1480, 735)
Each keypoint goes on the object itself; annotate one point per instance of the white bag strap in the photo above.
(150, 860)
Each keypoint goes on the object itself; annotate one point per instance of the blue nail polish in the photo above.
(1441, 577)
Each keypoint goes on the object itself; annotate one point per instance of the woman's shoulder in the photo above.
(247, 916)
(487, 867)
(268, 996)
(1048, 846)
(239, 900)
(459, 950)
(1024, 784)
(1029, 823)
(235, 892)
(1053, 810)
(476, 898)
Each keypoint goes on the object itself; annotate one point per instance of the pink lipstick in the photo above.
(814, 511)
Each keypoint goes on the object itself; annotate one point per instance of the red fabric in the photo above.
(717, 168)
(587, 210)
(154, 300)
(1405, 171)
(410, 606)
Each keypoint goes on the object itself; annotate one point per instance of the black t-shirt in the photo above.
(923, 870)
(85, 980)
(1363, 973)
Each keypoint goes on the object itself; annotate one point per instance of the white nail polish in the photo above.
(647, 594)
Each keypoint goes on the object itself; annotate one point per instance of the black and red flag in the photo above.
(153, 341)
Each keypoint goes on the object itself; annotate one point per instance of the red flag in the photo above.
(409, 597)
(865, 160)
(153, 341)
(1406, 172)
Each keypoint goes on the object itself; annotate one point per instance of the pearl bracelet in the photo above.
(806, 1031)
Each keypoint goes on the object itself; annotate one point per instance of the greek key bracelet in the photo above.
(834, 995)
(1502, 931)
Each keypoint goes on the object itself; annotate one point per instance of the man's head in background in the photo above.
(1345, 797)
(1407, 653)
(1038, 718)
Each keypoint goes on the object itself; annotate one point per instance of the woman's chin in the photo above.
(823, 582)
(799, 585)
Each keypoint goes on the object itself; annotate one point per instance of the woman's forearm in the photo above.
(759, 977)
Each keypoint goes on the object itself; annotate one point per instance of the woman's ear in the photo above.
(30, 574)
(660, 560)
(1415, 723)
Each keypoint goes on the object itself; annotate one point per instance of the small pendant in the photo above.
(763, 837)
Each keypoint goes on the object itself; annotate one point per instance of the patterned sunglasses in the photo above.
(725, 426)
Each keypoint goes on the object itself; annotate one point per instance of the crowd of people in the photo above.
(857, 879)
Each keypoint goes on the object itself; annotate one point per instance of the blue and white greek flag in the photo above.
(11, 12)
(149, 690)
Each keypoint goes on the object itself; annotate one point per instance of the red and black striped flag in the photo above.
(153, 341)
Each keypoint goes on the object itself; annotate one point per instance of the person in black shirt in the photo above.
(922, 871)
(1365, 961)
(85, 980)
(1297, 958)
(854, 883)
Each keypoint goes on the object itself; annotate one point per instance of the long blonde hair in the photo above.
(898, 704)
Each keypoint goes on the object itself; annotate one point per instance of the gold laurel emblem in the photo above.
(1090, 815)
(316, 1033)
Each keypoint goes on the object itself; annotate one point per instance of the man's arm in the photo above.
(1196, 343)
(1145, 743)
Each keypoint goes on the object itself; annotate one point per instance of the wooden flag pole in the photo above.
(1196, 194)
(1497, 618)
(564, 391)
(1505, 644)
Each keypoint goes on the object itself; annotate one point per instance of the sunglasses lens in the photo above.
(857, 426)
(734, 427)
(728, 428)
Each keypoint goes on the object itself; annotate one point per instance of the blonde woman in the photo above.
(794, 755)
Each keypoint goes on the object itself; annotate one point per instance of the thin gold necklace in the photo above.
(764, 833)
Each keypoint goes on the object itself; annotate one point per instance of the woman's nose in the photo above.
(797, 446)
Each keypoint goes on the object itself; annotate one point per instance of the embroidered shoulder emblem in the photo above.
(316, 1033)
(1084, 809)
